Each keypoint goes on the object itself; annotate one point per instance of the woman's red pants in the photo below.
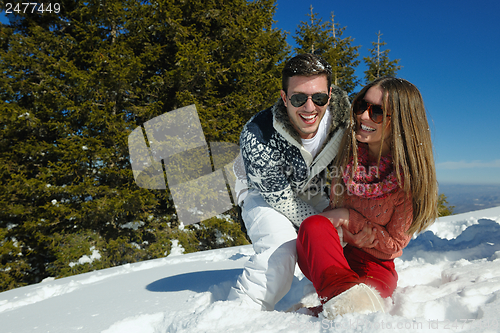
(333, 269)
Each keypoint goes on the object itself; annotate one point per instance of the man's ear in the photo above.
(283, 96)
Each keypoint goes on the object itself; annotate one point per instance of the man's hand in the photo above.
(363, 239)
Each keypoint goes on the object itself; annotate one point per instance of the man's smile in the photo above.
(309, 118)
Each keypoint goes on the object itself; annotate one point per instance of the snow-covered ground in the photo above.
(449, 281)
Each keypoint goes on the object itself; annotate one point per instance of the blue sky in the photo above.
(450, 51)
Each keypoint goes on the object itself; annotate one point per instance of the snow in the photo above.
(449, 281)
(85, 259)
(133, 225)
(176, 249)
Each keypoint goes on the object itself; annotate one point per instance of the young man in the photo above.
(285, 150)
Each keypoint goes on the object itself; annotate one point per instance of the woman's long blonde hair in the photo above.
(411, 148)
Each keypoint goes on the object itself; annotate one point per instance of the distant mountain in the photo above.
(467, 198)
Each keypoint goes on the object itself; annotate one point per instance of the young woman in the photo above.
(386, 191)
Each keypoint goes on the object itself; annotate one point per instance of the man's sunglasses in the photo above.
(375, 112)
(320, 99)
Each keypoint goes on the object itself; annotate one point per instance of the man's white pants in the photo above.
(268, 274)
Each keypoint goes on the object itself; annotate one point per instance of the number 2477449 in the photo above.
(32, 8)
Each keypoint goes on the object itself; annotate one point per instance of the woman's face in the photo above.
(367, 130)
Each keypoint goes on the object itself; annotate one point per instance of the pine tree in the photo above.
(222, 57)
(312, 36)
(325, 39)
(444, 209)
(76, 83)
(379, 64)
(73, 80)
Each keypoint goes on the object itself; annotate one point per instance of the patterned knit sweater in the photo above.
(287, 176)
(391, 216)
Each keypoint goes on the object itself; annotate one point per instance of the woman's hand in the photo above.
(363, 239)
(338, 217)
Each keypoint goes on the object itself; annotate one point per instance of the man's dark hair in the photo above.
(306, 64)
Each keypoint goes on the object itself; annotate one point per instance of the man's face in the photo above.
(306, 118)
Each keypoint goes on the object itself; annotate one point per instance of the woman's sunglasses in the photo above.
(320, 99)
(375, 112)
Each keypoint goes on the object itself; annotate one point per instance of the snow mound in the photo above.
(449, 281)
